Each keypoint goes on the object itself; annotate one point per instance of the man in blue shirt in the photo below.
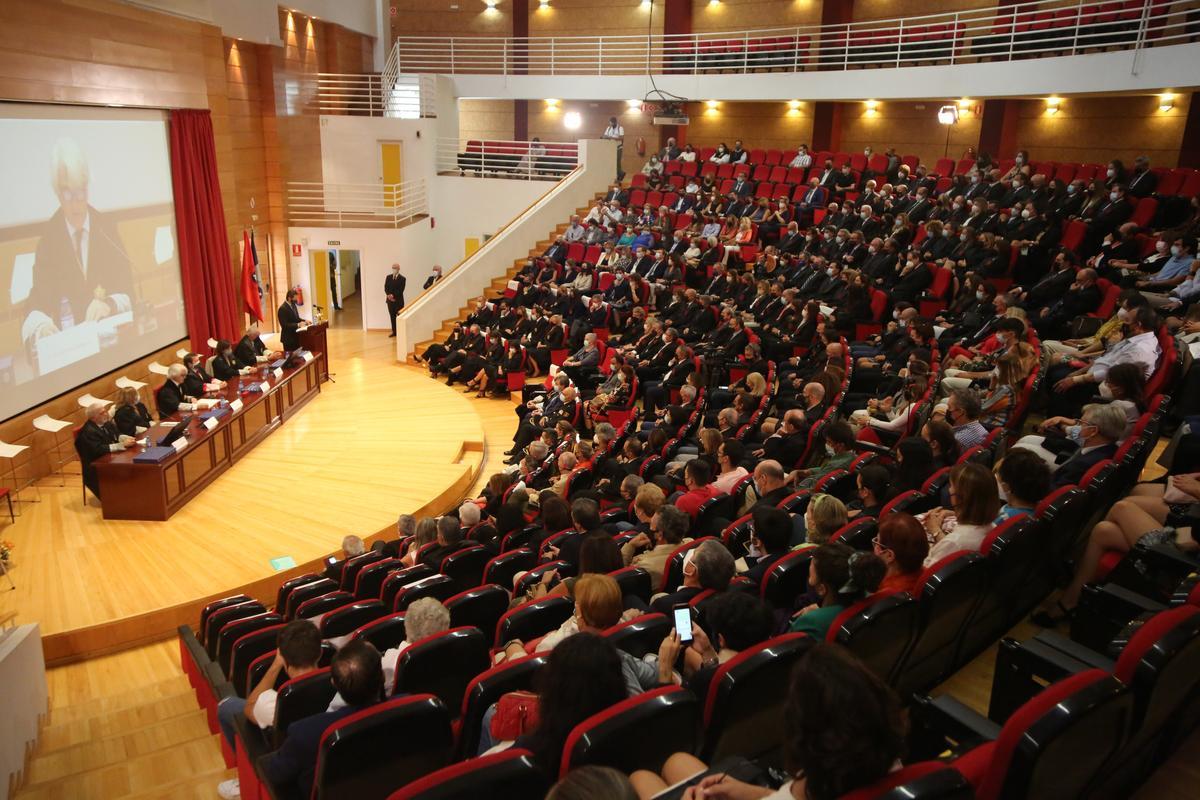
(1173, 285)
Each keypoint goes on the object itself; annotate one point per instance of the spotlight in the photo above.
(948, 115)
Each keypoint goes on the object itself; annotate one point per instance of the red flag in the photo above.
(249, 285)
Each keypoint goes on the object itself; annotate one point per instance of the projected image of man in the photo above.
(81, 271)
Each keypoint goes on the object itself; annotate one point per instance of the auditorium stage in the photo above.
(382, 440)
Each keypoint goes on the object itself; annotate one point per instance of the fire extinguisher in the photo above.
(299, 294)
(641, 146)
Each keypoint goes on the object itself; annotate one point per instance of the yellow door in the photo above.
(320, 280)
(471, 245)
(391, 163)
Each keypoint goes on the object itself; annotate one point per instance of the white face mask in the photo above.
(1110, 172)
(979, 296)
(962, 237)
(1176, 250)
(829, 451)
(831, 272)
(1026, 214)
(841, 240)
(1113, 196)
(1000, 490)
(1123, 314)
(1020, 160)
(945, 233)
(1071, 189)
(1105, 392)
(872, 250)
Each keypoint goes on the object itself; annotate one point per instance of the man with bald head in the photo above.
(770, 483)
(786, 444)
(98, 437)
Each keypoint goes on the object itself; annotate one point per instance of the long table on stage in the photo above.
(155, 491)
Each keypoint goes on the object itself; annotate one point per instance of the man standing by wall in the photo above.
(393, 288)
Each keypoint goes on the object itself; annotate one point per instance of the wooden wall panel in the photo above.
(485, 119)
(1095, 129)
(436, 18)
(733, 15)
(770, 126)
(893, 9)
(595, 18)
(907, 127)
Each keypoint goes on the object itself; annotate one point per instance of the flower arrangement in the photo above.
(6, 548)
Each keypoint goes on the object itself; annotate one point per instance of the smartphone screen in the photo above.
(331, 561)
(683, 623)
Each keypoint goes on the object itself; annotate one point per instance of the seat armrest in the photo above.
(266, 788)
(254, 739)
(1053, 645)
(221, 688)
(943, 724)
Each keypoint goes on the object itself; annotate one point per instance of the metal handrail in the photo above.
(1010, 32)
(496, 158)
(356, 205)
(407, 96)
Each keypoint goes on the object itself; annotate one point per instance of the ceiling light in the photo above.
(572, 120)
(714, 2)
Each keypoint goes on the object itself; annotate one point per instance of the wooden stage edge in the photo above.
(163, 623)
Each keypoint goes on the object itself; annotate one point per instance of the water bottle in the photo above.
(66, 317)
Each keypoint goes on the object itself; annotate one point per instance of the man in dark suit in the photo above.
(434, 278)
(357, 675)
(709, 566)
(742, 187)
(787, 444)
(81, 272)
(449, 540)
(170, 395)
(393, 290)
(1100, 427)
(770, 483)
(98, 437)
(585, 515)
(197, 378)
(770, 539)
(1142, 182)
(289, 322)
(618, 194)
(250, 349)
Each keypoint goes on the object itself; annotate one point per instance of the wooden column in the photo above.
(677, 19)
(1189, 148)
(827, 126)
(998, 128)
(520, 32)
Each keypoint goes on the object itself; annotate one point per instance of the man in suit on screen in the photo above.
(81, 271)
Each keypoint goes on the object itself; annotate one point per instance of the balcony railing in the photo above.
(1019, 31)
(408, 96)
(506, 159)
(356, 205)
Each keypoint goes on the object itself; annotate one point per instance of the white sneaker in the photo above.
(230, 789)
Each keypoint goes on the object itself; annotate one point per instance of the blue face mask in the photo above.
(1075, 434)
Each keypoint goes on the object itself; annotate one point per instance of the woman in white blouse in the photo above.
(976, 501)
(722, 155)
(688, 154)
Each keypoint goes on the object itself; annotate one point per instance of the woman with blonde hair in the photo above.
(825, 516)
(744, 235)
(1005, 388)
(426, 532)
(129, 413)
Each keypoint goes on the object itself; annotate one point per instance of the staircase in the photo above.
(124, 726)
(498, 285)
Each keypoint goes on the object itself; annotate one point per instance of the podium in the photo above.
(313, 339)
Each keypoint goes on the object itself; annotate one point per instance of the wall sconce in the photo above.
(948, 115)
(872, 107)
(551, 104)
(793, 105)
(711, 104)
(1052, 105)
(491, 4)
(543, 5)
(714, 3)
(647, 5)
(1166, 102)
(572, 120)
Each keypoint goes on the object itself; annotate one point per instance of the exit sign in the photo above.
(333, 243)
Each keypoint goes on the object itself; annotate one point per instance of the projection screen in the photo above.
(89, 271)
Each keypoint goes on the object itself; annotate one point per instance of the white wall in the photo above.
(23, 697)
(258, 20)
(350, 147)
(411, 247)
(1150, 70)
(421, 318)
(472, 207)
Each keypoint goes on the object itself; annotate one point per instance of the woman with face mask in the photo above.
(1023, 480)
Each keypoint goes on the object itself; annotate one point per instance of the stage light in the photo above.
(572, 120)
(948, 115)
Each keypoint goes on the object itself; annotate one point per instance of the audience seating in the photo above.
(442, 664)
(384, 633)
(481, 607)
(533, 619)
(509, 773)
(640, 635)
(485, 689)
(639, 733)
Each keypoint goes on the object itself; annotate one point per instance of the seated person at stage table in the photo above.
(98, 437)
(198, 381)
(298, 654)
(130, 414)
(170, 396)
(357, 674)
(225, 364)
(250, 349)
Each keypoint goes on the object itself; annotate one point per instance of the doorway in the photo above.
(336, 279)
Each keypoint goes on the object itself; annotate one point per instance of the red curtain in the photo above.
(210, 302)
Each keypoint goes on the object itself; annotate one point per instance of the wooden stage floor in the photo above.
(381, 441)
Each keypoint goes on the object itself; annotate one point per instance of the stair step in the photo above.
(85, 709)
(57, 735)
(194, 787)
(147, 772)
(99, 752)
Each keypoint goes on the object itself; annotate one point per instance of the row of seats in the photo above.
(500, 156)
